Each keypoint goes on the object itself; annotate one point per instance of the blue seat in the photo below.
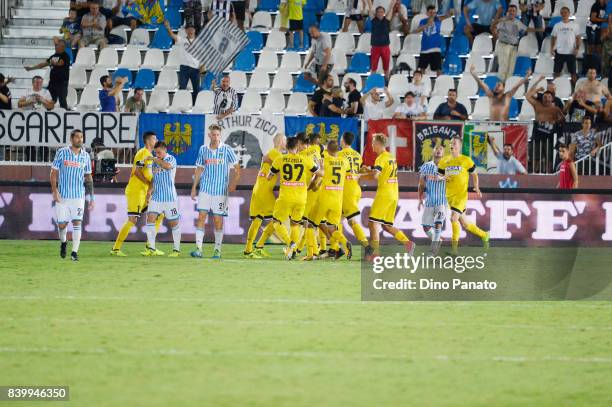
(491, 81)
(206, 81)
(174, 3)
(452, 64)
(330, 23)
(70, 54)
(514, 109)
(303, 85)
(367, 27)
(609, 8)
(245, 61)
(553, 21)
(145, 78)
(161, 39)
(407, 4)
(315, 6)
(124, 73)
(173, 16)
(460, 44)
(522, 65)
(296, 43)
(360, 63)
(268, 5)
(255, 41)
(375, 80)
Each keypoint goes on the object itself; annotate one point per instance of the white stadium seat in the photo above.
(260, 80)
(78, 77)
(447, 27)
(154, 59)
(527, 112)
(412, 44)
(168, 79)
(433, 104)
(345, 42)
(291, 60)
(483, 44)
(204, 102)
(297, 104)
(140, 38)
(121, 31)
(131, 58)
(398, 84)
(275, 102)
(442, 85)
(336, 6)
(357, 78)
(276, 41)
(108, 58)
(564, 87)
(238, 80)
(96, 74)
(478, 61)
(71, 98)
(90, 99)
(408, 59)
(544, 65)
(340, 62)
(363, 45)
(481, 109)
(173, 58)
(158, 101)
(564, 3)
(182, 102)
(283, 81)
(511, 82)
(86, 58)
(261, 20)
(268, 60)
(465, 101)
(396, 44)
(251, 102)
(584, 8)
(416, 20)
(467, 86)
(528, 46)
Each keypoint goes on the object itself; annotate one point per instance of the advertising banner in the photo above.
(250, 136)
(52, 129)
(428, 135)
(183, 133)
(330, 128)
(512, 218)
(399, 134)
(478, 137)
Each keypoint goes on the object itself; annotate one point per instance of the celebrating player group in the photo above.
(318, 188)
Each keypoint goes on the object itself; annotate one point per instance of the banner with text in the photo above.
(428, 135)
(330, 128)
(52, 129)
(400, 143)
(478, 137)
(183, 133)
(520, 218)
(250, 136)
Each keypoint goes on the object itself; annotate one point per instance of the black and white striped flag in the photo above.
(218, 44)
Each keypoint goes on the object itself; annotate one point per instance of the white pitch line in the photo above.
(311, 355)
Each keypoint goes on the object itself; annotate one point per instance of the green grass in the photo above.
(170, 332)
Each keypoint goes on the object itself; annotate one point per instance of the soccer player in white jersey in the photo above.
(71, 184)
(433, 186)
(212, 174)
(162, 199)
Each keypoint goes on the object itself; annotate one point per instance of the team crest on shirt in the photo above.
(178, 140)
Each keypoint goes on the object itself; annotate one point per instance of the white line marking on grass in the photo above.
(311, 355)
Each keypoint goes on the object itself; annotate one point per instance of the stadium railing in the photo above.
(601, 164)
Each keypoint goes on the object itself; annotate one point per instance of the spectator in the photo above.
(508, 32)
(568, 176)
(222, 9)
(189, 67)
(380, 40)
(499, 99)
(606, 115)
(565, 43)
(109, 94)
(120, 16)
(93, 25)
(319, 61)
(226, 98)
(488, 12)
(354, 107)
(431, 41)
(585, 141)
(36, 98)
(5, 93)
(410, 109)
(315, 104)
(296, 21)
(81, 6)
(375, 102)
(240, 8)
(506, 161)
(355, 11)
(606, 40)
(399, 18)
(136, 102)
(547, 118)
(530, 12)
(418, 6)
(593, 89)
(70, 30)
(192, 13)
(419, 88)
(283, 12)
(597, 18)
(333, 105)
(552, 88)
(451, 109)
(58, 78)
(578, 107)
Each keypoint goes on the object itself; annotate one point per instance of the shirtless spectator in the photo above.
(547, 118)
(594, 90)
(499, 100)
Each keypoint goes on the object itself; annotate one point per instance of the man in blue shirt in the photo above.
(108, 93)
(431, 41)
(451, 109)
(488, 11)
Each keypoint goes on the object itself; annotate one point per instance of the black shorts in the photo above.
(479, 29)
(296, 25)
(593, 36)
(239, 9)
(433, 59)
(561, 59)
(356, 17)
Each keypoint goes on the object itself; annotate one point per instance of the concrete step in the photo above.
(26, 52)
(40, 13)
(37, 31)
(65, 4)
(26, 42)
(19, 73)
(19, 61)
(55, 23)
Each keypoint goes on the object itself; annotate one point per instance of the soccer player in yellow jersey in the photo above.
(329, 206)
(136, 192)
(262, 197)
(352, 190)
(297, 173)
(456, 169)
(313, 150)
(384, 206)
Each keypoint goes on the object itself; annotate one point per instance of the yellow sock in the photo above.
(401, 237)
(302, 241)
(340, 239)
(359, 233)
(265, 235)
(311, 241)
(322, 240)
(158, 222)
(456, 231)
(123, 234)
(281, 231)
(252, 234)
(472, 228)
(295, 232)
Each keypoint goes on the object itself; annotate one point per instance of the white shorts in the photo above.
(68, 210)
(433, 215)
(169, 209)
(215, 204)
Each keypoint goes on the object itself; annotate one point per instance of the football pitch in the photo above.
(172, 332)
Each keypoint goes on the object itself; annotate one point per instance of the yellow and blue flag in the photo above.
(147, 11)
